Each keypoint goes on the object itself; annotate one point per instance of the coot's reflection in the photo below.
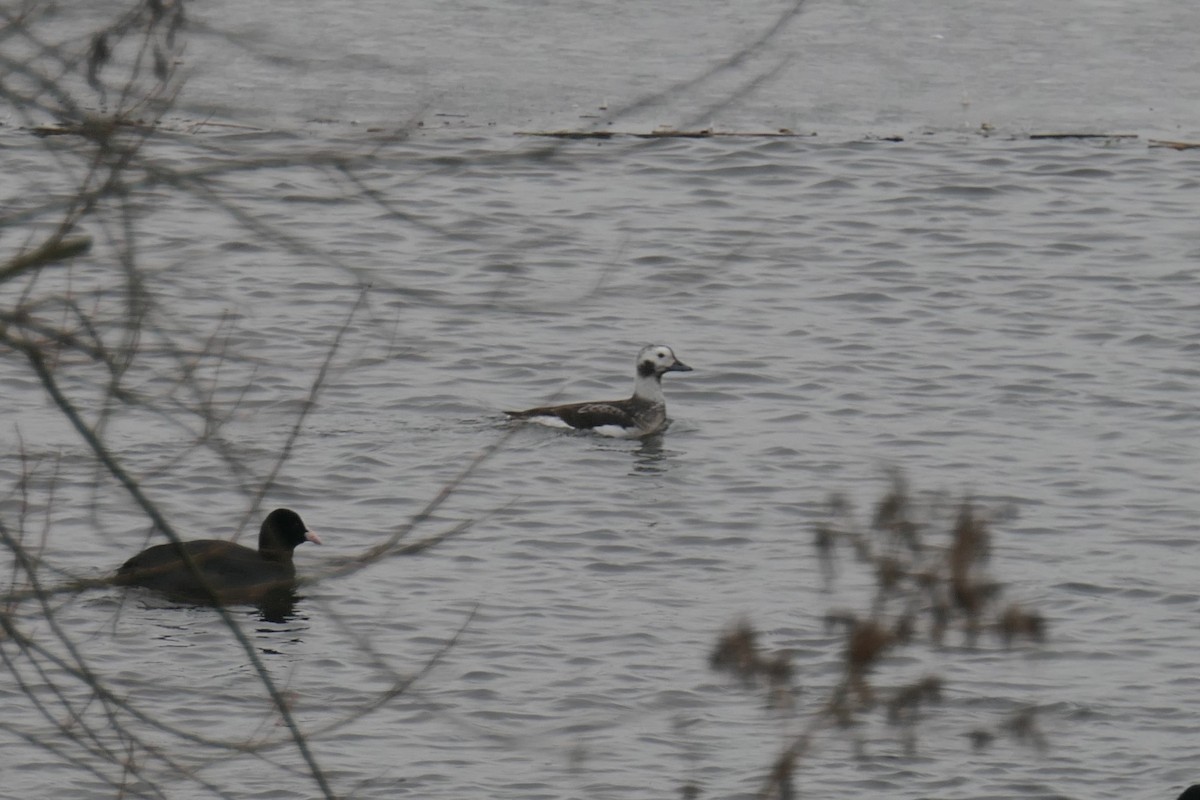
(278, 604)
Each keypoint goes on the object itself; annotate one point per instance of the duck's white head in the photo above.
(655, 359)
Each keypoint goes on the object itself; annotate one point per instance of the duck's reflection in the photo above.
(649, 456)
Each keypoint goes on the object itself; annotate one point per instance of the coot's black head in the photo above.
(283, 530)
(656, 359)
(1191, 793)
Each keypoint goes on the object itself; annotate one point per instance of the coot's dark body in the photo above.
(223, 572)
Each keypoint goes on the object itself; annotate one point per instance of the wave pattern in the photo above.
(1011, 320)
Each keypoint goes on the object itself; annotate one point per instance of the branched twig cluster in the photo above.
(923, 589)
(738, 653)
(82, 316)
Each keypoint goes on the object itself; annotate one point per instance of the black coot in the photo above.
(223, 572)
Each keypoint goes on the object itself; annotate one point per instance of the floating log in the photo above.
(92, 126)
(1083, 136)
(703, 133)
(1174, 145)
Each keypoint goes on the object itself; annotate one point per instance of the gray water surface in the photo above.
(1009, 319)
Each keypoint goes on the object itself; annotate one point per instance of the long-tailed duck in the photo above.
(640, 415)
